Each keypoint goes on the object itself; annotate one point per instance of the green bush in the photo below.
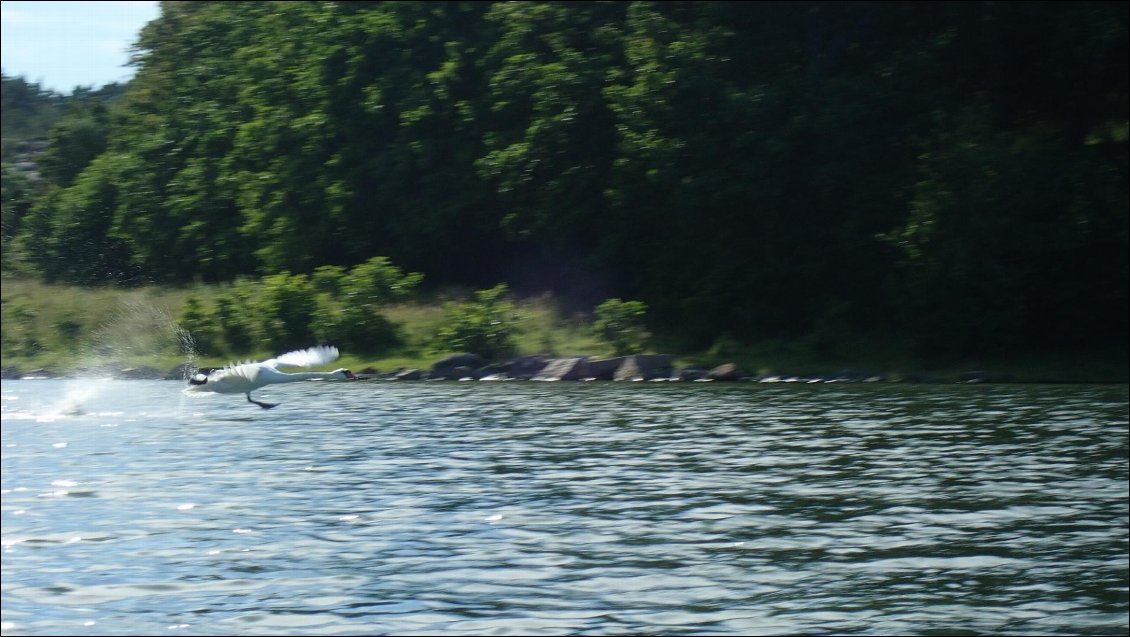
(286, 311)
(378, 281)
(19, 334)
(202, 326)
(485, 326)
(621, 325)
(327, 279)
(286, 308)
(233, 318)
(349, 303)
(359, 329)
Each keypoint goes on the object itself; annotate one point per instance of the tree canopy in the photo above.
(953, 171)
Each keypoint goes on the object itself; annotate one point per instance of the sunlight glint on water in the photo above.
(590, 508)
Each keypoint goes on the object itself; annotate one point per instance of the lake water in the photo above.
(384, 508)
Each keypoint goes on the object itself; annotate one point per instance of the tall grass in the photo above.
(64, 327)
(67, 327)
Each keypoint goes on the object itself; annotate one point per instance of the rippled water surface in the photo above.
(564, 508)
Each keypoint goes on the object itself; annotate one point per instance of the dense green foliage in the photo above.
(46, 134)
(955, 172)
(486, 325)
(285, 311)
(621, 324)
(29, 111)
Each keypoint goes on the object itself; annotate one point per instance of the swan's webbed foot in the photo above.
(263, 405)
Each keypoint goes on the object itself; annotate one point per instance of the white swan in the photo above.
(246, 377)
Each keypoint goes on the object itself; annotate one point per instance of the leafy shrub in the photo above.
(286, 311)
(202, 327)
(485, 326)
(349, 304)
(360, 329)
(327, 279)
(19, 334)
(378, 281)
(286, 307)
(621, 325)
(233, 318)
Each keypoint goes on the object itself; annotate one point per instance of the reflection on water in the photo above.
(553, 509)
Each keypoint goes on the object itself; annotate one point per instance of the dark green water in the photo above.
(565, 509)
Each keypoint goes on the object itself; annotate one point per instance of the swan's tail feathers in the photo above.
(311, 357)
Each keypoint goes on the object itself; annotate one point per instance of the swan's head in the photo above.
(343, 374)
(201, 376)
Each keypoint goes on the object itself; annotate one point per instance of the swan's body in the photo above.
(244, 378)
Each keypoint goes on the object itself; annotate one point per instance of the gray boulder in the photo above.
(523, 367)
(725, 372)
(446, 368)
(644, 367)
(600, 368)
(561, 369)
(408, 374)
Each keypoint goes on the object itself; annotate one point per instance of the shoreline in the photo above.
(635, 368)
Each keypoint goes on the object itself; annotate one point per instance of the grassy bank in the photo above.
(64, 328)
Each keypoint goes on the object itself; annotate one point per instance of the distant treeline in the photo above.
(30, 111)
(955, 172)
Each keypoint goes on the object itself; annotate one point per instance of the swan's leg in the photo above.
(263, 405)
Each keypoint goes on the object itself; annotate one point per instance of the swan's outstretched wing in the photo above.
(311, 357)
(232, 379)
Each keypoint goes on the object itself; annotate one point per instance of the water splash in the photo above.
(188, 348)
(74, 398)
(137, 330)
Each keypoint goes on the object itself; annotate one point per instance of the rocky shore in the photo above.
(465, 367)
